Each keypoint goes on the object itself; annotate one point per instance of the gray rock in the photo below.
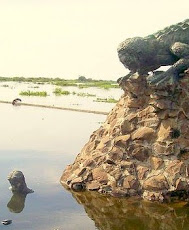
(6, 222)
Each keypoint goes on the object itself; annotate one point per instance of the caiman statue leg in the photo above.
(181, 51)
(122, 80)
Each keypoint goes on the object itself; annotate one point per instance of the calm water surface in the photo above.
(40, 143)
(72, 101)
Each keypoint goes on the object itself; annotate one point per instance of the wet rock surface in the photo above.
(143, 146)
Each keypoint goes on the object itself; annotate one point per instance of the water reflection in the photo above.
(17, 202)
(111, 213)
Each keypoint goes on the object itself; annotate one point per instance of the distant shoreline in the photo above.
(56, 107)
(81, 82)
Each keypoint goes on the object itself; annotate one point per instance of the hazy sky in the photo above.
(68, 38)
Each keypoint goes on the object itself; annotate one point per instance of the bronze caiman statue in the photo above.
(167, 47)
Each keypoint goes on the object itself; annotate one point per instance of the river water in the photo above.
(41, 142)
(13, 90)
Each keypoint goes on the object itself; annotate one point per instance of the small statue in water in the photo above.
(19, 190)
(18, 184)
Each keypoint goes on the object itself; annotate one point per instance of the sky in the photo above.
(72, 38)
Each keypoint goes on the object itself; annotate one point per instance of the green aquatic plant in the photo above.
(59, 92)
(64, 83)
(106, 100)
(99, 84)
(86, 95)
(32, 93)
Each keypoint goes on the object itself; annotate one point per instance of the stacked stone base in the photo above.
(142, 148)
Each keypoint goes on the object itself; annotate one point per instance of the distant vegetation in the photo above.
(32, 93)
(81, 82)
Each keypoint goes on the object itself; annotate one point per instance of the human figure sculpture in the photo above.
(18, 184)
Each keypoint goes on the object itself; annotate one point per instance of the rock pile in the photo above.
(143, 146)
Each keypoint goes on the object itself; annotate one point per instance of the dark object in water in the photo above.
(6, 222)
(14, 102)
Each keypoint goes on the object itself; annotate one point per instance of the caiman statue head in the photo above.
(137, 55)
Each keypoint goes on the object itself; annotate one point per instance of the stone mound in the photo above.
(142, 148)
